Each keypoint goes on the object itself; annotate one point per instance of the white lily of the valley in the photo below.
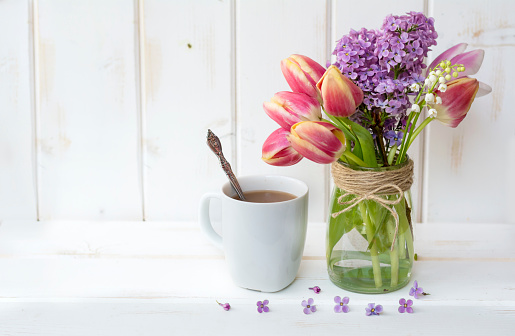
(438, 100)
(442, 87)
(415, 87)
(415, 108)
(432, 113)
(430, 98)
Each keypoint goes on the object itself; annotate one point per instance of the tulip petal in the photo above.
(312, 68)
(472, 61)
(453, 123)
(310, 151)
(289, 108)
(484, 89)
(448, 54)
(456, 100)
(320, 134)
(320, 142)
(339, 94)
(302, 74)
(277, 150)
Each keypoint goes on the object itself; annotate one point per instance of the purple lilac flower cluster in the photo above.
(384, 63)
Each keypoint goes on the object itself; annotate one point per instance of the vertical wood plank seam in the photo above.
(234, 87)
(423, 203)
(141, 96)
(329, 38)
(421, 169)
(35, 96)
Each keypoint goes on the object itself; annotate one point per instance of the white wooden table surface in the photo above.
(162, 278)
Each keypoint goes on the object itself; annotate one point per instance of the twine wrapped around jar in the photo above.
(372, 185)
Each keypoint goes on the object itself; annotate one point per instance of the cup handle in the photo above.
(205, 221)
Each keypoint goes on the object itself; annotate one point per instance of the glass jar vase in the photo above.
(369, 245)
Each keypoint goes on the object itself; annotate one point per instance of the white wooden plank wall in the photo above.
(470, 169)
(105, 104)
(188, 70)
(17, 136)
(267, 32)
(88, 148)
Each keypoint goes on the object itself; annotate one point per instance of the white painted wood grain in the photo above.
(195, 318)
(266, 33)
(470, 168)
(17, 155)
(167, 260)
(162, 278)
(344, 19)
(206, 318)
(89, 163)
(188, 65)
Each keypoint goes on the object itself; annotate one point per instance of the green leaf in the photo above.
(365, 140)
(343, 223)
(377, 215)
(357, 146)
(349, 134)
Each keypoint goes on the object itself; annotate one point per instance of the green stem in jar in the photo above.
(376, 266)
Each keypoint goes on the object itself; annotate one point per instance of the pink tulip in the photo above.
(318, 141)
(472, 60)
(288, 108)
(448, 54)
(302, 75)
(340, 95)
(456, 101)
(277, 150)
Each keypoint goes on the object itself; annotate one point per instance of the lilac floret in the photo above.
(416, 291)
(405, 306)
(341, 304)
(262, 306)
(308, 306)
(372, 309)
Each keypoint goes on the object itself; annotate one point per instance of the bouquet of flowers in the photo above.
(363, 113)
(380, 82)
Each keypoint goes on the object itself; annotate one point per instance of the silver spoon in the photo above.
(214, 143)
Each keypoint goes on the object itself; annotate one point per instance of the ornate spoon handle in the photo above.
(214, 143)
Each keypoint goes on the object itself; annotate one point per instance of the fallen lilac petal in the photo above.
(316, 289)
(225, 306)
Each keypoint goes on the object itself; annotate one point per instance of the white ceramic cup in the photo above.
(263, 242)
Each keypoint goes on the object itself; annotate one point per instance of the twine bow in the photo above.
(367, 185)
